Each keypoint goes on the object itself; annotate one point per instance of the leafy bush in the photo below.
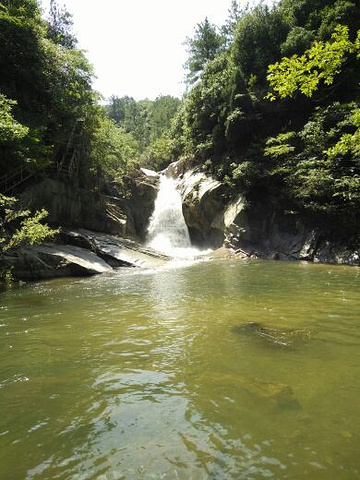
(19, 227)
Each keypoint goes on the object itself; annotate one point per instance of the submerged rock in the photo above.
(272, 336)
(279, 394)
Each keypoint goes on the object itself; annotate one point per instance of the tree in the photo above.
(321, 63)
(112, 149)
(258, 38)
(11, 131)
(203, 47)
(235, 13)
(60, 26)
(19, 227)
(12, 135)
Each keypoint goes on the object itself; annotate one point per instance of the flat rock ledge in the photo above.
(80, 253)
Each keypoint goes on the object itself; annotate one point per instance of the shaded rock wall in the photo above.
(143, 187)
(254, 230)
(203, 206)
(71, 207)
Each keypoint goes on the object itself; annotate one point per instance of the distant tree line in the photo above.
(149, 122)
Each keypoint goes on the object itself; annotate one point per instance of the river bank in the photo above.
(100, 233)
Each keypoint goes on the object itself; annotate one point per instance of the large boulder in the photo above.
(143, 188)
(203, 207)
(80, 253)
(50, 260)
(117, 251)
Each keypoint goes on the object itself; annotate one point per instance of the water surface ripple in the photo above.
(217, 370)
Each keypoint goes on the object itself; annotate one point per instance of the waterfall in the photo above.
(167, 231)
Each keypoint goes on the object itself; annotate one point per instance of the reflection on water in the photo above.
(216, 370)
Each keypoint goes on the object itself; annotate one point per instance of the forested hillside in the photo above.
(148, 121)
(52, 122)
(273, 108)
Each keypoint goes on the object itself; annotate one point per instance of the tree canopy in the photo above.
(202, 48)
(300, 151)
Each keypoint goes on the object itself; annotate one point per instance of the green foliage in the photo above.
(235, 12)
(51, 84)
(11, 131)
(147, 121)
(320, 16)
(258, 36)
(205, 108)
(320, 165)
(202, 48)
(349, 143)
(112, 149)
(321, 63)
(298, 40)
(279, 146)
(29, 231)
(159, 154)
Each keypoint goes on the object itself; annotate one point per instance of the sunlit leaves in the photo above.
(112, 149)
(320, 64)
(349, 144)
(30, 229)
(279, 146)
(10, 129)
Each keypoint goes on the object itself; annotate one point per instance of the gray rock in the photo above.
(123, 252)
(309, 246)
(73, 207)
(203, 207)
(50, 260)
(329, 252)
(143, 187)
(85, 253)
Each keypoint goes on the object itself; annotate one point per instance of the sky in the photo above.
(137, 46)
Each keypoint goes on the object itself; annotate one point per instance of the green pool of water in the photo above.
(217, 370)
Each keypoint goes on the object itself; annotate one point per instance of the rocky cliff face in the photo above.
(213, 221)
(71, 207)
(143, 187)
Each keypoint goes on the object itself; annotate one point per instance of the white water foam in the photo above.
(167, 232)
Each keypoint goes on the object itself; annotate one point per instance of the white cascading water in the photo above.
(167, 231)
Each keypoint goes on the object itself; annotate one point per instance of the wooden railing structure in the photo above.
(10, 181)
